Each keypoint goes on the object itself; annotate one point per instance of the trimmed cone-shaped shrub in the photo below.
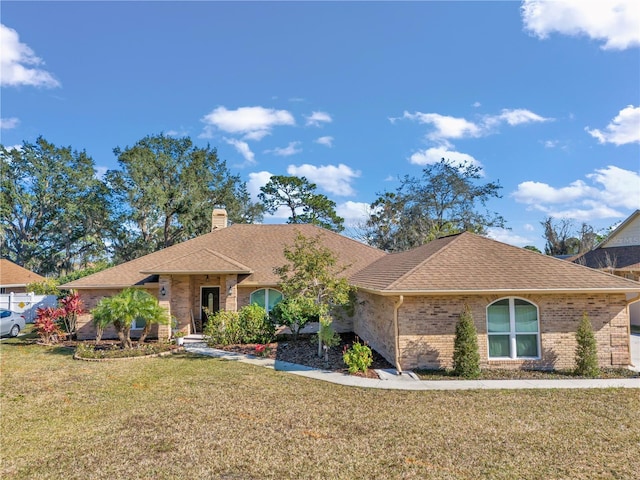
(586, 350)
(466, 357)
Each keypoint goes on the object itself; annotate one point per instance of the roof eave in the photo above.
(197, 272)
(502, 291)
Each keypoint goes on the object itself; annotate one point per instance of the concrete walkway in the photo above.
(407, 381)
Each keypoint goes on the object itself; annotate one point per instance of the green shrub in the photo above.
(358, 358)
(586, 350)
(255, 325)
(295, 313)
(466, 357)
(223, 328)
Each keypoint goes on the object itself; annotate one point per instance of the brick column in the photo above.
(229, 293)
(164, 331)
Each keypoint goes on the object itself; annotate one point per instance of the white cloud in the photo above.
(476, 104)
(10, 148)
(287, 151)
(9, 123)
(528, 227)
(257, 180)
(551, 143)
(517, 116)
(355, 214)
(318, 118)
(507, 236)
(624, 128)
(333, 179)
(433, 155)
(616, 22)
(243, 149)
(100, 172)
(177, 133)
(612, 188)
(327, 141)
(447, 127)
(252, 122)
(16, 60)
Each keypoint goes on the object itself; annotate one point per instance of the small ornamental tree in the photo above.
(586, 350)
(295, 313)
(72, 306)
(466, 358)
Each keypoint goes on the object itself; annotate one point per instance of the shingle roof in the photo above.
(471, 263)
(240, 248)
(12, 275)
(615, 258)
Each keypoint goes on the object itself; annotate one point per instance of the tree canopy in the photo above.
(562, 238)
(167, 188)
(445, 200)
(55, 212)
(298, 195)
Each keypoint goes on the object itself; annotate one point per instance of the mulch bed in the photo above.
(304, 351)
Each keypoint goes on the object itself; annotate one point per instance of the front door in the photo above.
(210, 299)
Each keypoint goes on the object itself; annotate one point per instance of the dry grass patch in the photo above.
(197, 417)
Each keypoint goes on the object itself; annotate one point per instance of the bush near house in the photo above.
(586, 350)
(466, 357)
(249, 325)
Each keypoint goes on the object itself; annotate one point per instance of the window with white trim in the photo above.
(513, 329)
(266, 298)
(138, 324)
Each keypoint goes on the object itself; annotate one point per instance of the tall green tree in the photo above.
(312, 275)
(55, 213)
(562, 238)
(298, 195)
(167, 188)
(446, 199)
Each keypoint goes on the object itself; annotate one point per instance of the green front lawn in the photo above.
(186, 416)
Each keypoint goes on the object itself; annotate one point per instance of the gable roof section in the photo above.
(626, 234)
(12, 275)
(240, 248)
(471, 263)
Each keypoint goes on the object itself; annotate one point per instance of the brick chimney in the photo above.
(218, 219)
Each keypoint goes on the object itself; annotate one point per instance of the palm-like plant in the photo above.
(122, 309)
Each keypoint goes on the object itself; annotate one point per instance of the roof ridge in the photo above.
(426, 260)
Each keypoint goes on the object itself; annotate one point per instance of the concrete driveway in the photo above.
(635, 350)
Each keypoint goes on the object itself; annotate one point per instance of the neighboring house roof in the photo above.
(611, 258)
(12, 275)
(471, 263)
(241, 248)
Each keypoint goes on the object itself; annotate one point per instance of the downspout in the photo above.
(396, 307)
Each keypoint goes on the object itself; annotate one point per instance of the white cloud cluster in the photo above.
(287, 151)
(624, 128)
(334, 179)
(612, 187)
(19, 64)
(355, 214)
(448, 127)
(327, 141)
(431, 156)
(254, 123)
(257, 180)
(616, 22)
(9, 123)
(507, 236)
(243, 149)
(318, 118)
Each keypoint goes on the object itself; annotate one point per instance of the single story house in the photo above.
(526, 306)
(14, 278)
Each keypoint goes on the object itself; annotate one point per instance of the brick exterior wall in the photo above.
(427, 329)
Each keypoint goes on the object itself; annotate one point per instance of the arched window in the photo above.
(266, 298)
(513, 329)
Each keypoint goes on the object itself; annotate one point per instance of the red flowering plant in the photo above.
(46, 324)
(72, 306)
(262, 350)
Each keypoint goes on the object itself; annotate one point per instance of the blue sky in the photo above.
(545, 97)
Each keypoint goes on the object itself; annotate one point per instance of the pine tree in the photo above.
(586, 350)
(466, 357)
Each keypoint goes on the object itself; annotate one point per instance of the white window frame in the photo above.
(134, 326)
(512, 330)
(266, 296)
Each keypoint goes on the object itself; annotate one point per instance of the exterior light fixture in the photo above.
(163, 291)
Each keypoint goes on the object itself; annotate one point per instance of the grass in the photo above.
(186, 416)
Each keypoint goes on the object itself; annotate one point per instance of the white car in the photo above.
(10, 323)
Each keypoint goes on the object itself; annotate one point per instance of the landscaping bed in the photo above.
(304, 351)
